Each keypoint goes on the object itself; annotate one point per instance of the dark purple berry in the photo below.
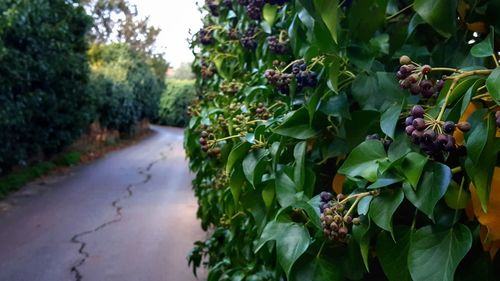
(326, 196)
(416, 136)
(417, 111)
(409, 129)
(449, 127)
(442, 139)
(419, 124)
(429, 135)
(415, 89)
(409, 120)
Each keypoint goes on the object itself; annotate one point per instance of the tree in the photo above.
(118, 21)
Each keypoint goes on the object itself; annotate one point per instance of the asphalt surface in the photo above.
(130, 216)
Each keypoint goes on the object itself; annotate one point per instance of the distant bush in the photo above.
(174, 102)
(125, 86)
(43, 77)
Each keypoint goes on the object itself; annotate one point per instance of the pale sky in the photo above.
(175, 18)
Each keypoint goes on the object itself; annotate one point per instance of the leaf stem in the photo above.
(456, 70)
(320, 249)
(458, 198)
(360, 195)
(485, 95)
(399, 12)
(455, 79)
(353, 206)
(227, 138)
(495, 59)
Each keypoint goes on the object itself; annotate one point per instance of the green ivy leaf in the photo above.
(432, 187)
(390, 118)
(254, 165)
(476, 140)
(328, 10)
(236, 182)
(364, 160)
(440, 14)
(365, 17)
(285, 189)
(292, 240)
(269, 13)
(268, 193)
(493, 85)
(382, 207)
(296, 125)
(484, 48)
(299, 175)
(364, 205)
(236, 154)
(361, 234)
(337, 105)
(393, 253)
(435, 253)
(412, 167)
(333, 75)
(456, 197)
(481, 172)
(316, 267)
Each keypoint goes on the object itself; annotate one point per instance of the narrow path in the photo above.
(130, 216)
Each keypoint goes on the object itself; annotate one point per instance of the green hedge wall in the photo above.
(175, 101)
(124, 86)
(43, 77)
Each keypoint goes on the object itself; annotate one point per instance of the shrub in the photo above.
(43, 76)
(124, 86)
(175, 101)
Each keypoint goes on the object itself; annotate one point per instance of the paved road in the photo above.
(127, 217)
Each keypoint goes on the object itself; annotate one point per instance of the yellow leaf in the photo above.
(491, 219)
(338, 183)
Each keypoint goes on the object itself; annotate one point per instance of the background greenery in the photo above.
(174, 102)
(52, 86)
(44, 102)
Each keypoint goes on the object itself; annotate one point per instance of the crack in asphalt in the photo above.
(118, 217)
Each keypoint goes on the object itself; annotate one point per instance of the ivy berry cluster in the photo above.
(205, 141)
(248, 39)
(279, 80)
(278, 44)
(205, 36)
(253, 8)
(207, 70)
(335, 217)
(213, 7)
(304, 76)
(415, 78)
(230, 87)
(434, 137)
(262, 112)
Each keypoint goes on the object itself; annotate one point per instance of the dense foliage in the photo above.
(347, 140)
(175, 101)
(48, 93)
(124, 85)
(43, 77)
